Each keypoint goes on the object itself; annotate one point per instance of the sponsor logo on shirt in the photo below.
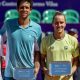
(65, 47)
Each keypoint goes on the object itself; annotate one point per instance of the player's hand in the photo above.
(36, 69)
(50, 77)
(67, 77)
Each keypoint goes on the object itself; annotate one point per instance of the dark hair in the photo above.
(72, 31)
(19, 2)
(58, 13)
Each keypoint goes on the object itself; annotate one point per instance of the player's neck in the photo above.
(59, 35)
(23, 22)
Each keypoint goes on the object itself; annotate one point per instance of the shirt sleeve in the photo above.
(1, 43)
(3, 28)
(43, 46)
(36, 46)
(39, 36)
(75, 48)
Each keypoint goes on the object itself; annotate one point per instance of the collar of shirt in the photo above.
(28, 25)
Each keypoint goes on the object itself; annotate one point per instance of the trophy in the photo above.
(23, 74)
(60, 68)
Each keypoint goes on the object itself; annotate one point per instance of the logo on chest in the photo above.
(65, 47)
(59, 48)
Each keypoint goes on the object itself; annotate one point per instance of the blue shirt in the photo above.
(21, 44)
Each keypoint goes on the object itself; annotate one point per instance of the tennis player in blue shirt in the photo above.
(23, 38)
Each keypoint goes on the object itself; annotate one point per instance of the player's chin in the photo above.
(24, 17)
(59, 31)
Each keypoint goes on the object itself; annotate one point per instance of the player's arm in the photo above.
(75, 55)
(43, 63)
(74, 64)
(74, 68)
(36, 58)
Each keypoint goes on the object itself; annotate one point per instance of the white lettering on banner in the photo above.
(46, 3)
(35, 4)
(4, 3)
(51, 4)
(39, 4)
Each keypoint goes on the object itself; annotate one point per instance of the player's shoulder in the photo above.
(48, 37)
(11, 21)
(32, 23)
(71, 38)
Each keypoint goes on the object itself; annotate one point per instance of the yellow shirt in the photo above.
(59, 50)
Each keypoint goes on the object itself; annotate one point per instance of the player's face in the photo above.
(59, 24)
(24, 10)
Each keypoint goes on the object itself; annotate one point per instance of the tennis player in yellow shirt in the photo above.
(59, 46)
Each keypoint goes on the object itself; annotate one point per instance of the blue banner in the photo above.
(40, 5)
